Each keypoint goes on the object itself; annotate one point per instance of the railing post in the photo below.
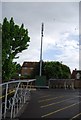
(13, 111)
(26, 91)
(1, 112)
(6, 100)
(14, 100)
(72, 85)
(11, 103)
(65, 85)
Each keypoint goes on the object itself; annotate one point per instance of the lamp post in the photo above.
(41, 49)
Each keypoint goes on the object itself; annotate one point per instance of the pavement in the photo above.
(53, 103)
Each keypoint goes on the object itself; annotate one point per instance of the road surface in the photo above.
(53, 103)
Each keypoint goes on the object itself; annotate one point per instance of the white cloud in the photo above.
(61, 28)
(80, 57)
(69, 51)
(0, 12)
(41, 0)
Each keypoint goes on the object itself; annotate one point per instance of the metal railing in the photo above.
(14, 95)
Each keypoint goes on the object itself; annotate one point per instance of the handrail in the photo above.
(21, 96)
(17, 81)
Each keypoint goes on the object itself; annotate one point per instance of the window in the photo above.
(25, 73)
(25, 68)
(78, 75)
(31, 68)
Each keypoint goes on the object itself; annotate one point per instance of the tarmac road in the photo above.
(53, 103)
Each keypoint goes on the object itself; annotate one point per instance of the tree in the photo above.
(18, 68)
(17, 71)
(53, 69)
(56, 70)
(0, 53)
(15, 39)
(66, 73)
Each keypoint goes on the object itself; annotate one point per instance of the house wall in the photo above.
(27, 68)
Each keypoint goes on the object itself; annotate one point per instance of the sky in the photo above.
(61, 30)
(40, 0)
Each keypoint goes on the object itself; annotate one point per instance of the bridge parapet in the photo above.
(61, 83)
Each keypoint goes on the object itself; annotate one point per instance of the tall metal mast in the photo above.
(42, 29)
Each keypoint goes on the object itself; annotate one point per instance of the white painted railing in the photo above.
(11, 106)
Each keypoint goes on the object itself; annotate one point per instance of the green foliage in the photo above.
(18, 68)
(8, 69)
(17, 71)
(56, 70)
(52, 70)
(15, 39)
(0, 53)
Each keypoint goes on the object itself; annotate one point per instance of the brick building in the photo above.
(76, 74)
(28, 67)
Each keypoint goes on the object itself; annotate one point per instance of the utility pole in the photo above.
(42, 29)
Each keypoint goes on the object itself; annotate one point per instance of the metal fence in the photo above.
(14, 95)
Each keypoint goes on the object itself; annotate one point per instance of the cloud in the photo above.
(0, 12)
(66, 50)
(41, 0)
(61, 29)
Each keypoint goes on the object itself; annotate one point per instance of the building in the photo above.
(74, 82)
(76, 74)
(27, 68)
